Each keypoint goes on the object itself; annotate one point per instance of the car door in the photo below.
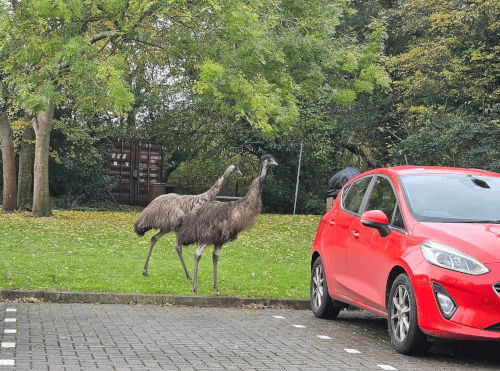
(337, 232)
(368, 254)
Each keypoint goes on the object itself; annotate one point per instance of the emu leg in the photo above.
(155, 238)
(215, 257)
(197, 257)
(179, 251)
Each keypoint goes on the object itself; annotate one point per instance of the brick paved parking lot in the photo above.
(126, 337)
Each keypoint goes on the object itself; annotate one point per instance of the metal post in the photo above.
(297, 186)
(131, 175)
(149, 166)
(139, 171)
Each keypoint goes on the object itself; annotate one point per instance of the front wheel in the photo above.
(406, 336)
(322, 304)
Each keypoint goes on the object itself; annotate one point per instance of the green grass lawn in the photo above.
(99, 251)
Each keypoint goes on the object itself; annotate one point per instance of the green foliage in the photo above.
(265, 58)
(455, 139)
(54, 51)
(451, 58)
(441, 109)
(199, 174)
(99, 252)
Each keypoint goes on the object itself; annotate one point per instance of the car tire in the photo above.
(406, 337)
(322, 304)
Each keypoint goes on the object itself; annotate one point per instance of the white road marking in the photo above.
(4, 344)
(299, 326)
(352, 351)
(387, 367)
(324, 337)
(281, 317)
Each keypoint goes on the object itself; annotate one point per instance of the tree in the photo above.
(451, 59)
(266, 58)
(55, 51)
(25, 174)
(259, 62)
(264, 69)
(446, 82)
(9, 165)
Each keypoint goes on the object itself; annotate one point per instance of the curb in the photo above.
(150, 299)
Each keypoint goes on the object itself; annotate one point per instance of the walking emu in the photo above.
(215, 223)
(167, 212)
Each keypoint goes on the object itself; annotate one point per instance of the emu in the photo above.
(167, 212)
(215, 223)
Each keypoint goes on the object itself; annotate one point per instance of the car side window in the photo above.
(354, 196)
(382, 197)
(397, 221)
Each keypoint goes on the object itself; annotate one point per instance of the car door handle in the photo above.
(331, 223)
(355, 233)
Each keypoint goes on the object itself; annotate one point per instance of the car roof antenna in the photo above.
(479, 182)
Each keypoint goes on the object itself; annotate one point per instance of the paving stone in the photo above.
(55, 336)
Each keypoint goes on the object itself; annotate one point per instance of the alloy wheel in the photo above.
(317, 289)
(401, 308)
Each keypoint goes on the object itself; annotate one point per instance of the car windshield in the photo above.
(453, 198)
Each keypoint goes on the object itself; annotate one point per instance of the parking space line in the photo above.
(5, 344)
(348, 350)
(387, 367)
(353, 351)
(324, 337)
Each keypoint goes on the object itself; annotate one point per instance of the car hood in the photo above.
(481, 241)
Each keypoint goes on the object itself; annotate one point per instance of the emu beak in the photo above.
(273, 162)
(238, 171)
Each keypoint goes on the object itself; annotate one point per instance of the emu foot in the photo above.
(145, 272)
(194, 289)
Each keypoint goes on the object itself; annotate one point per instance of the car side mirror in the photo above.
(378, 220)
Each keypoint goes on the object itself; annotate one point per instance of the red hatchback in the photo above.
(419, 246)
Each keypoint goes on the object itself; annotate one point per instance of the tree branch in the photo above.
(94, 39)
(104, 35)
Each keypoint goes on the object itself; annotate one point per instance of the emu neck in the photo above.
(212, 193)
(262, 177)
(255, 191)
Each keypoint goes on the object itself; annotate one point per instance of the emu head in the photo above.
(230, 169)
(266, 161)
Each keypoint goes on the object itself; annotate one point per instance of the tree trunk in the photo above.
(25, 176)
(9, 165)
(43, 127)
(169, 171)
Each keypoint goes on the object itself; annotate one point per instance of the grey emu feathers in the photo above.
(167, 213)
(215, 223)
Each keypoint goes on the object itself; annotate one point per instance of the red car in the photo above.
(419, 246)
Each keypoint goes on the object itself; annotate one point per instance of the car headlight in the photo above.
(446, 257)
